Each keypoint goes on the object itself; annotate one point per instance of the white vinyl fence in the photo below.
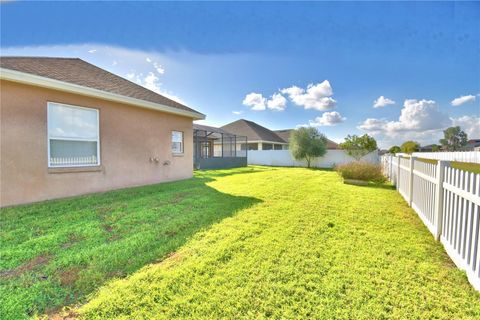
(448, 202)
(461, 156)
(283, 158)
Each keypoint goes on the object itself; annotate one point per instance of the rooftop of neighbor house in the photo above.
(202, 127)
(253, 131)
(79, 72)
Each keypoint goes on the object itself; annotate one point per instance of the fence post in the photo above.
(390, 167)
(397, 182)
(410, 181)
(441, 165)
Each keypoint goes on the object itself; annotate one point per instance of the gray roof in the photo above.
(253, 131)
(79, 72)
(197, 126)
(284, 134)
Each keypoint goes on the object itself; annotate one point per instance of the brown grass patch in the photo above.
(26, 267)
(69, 276)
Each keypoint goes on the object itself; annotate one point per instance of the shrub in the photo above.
(361, 171)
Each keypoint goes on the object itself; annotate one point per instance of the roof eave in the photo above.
(27, 78)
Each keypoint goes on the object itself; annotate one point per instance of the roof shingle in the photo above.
(252, 130)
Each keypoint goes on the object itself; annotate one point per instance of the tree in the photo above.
(307, 144)
(410, 146)
(357, 147)
(435, 148)
(394, 149)
(454, 138)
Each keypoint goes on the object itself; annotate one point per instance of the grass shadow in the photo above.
(386, 186)
(91, 239)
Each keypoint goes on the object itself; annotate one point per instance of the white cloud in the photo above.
(255, 100)
(327, 119)
(469, 124)
(462, 100)
(152, 82)
(316, 96)
(277, 102)
(237, 112)
(148, 59)
(382, 102)
(92, 51)
(419, 120)
(159, 68)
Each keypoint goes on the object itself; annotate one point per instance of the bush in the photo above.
(361, 171)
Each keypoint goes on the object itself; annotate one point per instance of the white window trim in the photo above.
(183, 142)
(50, 103)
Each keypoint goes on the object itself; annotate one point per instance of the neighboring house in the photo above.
(216, 148)
(473, 145)
(71, 128)
(259, 138)
(427, 148)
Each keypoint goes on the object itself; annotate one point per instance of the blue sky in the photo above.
(257, 60)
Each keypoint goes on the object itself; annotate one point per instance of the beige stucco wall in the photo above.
(129, 137)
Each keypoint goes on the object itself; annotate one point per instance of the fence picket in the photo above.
(447, 200)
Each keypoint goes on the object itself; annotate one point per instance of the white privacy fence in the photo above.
(447, 200)
(283, 158)
(461, 156)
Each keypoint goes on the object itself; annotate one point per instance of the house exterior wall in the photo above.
(129, 137)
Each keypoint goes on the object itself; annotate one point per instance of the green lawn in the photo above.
(55, 253)
(257, 242)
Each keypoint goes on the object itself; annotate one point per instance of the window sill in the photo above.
(178, 154)
(76, 169)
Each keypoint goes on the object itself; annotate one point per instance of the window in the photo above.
(73, 136)
(253, 146)
(277, 147)
(177, 142)
(267, 146)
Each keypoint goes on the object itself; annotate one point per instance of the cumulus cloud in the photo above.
(316, 96)
(92, 51)
(469, 124)
(327, 119)
(152, 82)
(382, 102)
(277, 102)
(462, 100)
(255, 100)
(237, 112)
(419, 120)
(159, 68)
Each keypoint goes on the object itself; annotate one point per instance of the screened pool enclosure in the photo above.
(216, 148)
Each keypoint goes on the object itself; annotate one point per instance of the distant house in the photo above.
(216, 148)
(70, 128)
(473, 145)
(261, 138)
(427, 148)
